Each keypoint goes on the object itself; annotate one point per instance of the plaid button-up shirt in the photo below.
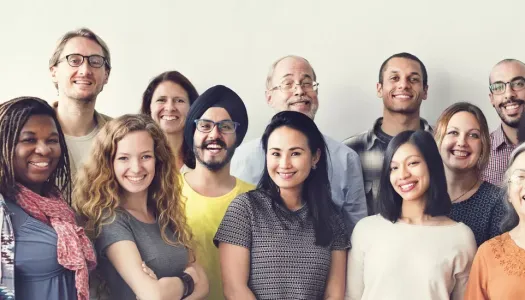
(371, 150)
(500, 150)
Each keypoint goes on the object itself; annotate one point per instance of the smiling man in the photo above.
(291, 85)
(403, 85)
(79, 67)
(215, 126)
(507, 96)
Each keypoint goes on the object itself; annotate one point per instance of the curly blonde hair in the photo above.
(97, 192)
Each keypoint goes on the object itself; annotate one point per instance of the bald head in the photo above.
(505, 62)
(286, 58)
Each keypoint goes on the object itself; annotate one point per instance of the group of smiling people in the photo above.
(120, 229)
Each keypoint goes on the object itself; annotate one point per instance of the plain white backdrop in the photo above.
(233, 42)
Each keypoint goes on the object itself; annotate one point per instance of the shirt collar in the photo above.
(372, 138)
(499, 138)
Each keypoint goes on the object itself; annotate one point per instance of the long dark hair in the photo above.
(13, 116)
(316, 191)
(437, 201)
(185, 83)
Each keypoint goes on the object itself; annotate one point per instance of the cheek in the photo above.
(155, 109)
(184, 109)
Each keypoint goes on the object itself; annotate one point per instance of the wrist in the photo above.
(188, 284)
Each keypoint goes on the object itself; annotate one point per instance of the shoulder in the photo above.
(491, 193)
(101, 118)
(371, 223)
(249, 146)
(359, 141)
(338, 149)
(462, 234)
(244, 186)
(495, 245)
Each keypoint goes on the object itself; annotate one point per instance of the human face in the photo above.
(508, 105)
(82, 83)
(134, 163)
(461, 146)
(297, 70)
(516, 191)
(37, 152)
(402, 89)
(169, 107)
(409, 174)
(289, 159)
(214, 149)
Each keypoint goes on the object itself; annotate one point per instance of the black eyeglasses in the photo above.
(225, 126)
(76, 60)
(499, 87)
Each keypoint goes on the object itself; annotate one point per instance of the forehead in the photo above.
(506, 71)
(37, 123)
(82, 45)
(286, 137)
(464, 119)
(170, 88)
(292, 67)
(519, 162)
(404, 151)
(403, 65)
(137, 141)
(216, 114)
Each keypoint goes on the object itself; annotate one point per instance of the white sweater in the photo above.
(400, 261)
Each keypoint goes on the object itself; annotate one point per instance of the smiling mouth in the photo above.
(214, 148)
(460, 153)
(169, 118)
(299, 103)
(402, 96)
(82, 82)
(40, 165)
(136, 179)
(512, 107)
(407, 187)
(286, 175)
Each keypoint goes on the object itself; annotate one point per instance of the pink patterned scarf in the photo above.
(74, 250)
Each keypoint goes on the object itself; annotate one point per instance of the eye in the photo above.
(452, 132)
(122, 158)
(474, 135)
(393, 168)
(287, 83)
(414, 79)
(161, 100)
(394, 78)
(53, 141)
(146, 156)
(181, 101)
(28, 140)
(413, 163)
(295, 153)
(276, 154)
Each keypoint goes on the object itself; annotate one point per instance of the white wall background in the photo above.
(233, 42)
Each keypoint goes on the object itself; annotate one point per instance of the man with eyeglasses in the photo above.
(291, 85)
(215, 126)
(402, 85)
(507, 96)
(80, 67)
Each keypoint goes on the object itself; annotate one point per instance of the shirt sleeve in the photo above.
(235, 227)
(355, 284)
(116, 231)
(355, 199)
(477, 283)
(463, 264)
(341, 240)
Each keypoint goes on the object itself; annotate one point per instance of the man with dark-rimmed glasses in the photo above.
(507, 96)
(79, 67)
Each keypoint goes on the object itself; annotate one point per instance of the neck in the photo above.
(292, 198)
(412, 212)
(217, 178)
(395, 123)
(77, 118)
(175, 141)
(511, 133)
(137, 202)
(459, 183)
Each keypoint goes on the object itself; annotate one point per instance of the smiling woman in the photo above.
(34, 175)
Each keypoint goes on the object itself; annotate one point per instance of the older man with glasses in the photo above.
(291, 85)
(80, 67)
(507, 96)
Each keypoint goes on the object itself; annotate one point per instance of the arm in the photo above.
(125, 257)
(201, 288)
(335, 286)
(463, 265)
(355, 264)
(235, 270)
(354, 203)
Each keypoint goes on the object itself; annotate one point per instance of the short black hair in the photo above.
(407, 56)
(316, 191)
(438, 200)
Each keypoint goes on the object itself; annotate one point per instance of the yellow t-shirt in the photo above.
(204, 215)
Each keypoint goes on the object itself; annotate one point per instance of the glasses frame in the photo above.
(315, 87)
(218, 124)
(66, 58)
(509, 83)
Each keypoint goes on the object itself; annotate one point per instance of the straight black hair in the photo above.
(316, 191)
(438, 201)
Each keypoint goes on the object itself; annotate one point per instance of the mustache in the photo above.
(219, 142)
(517, 101)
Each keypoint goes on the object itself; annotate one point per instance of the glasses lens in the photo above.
(204, 125)
(518, 177)
(75, 60)
(227, 126)
(518, 84)
(498, 88)
(96, 61)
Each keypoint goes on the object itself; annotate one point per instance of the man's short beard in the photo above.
(214, 166)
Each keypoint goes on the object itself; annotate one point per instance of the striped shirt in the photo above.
(500, 150)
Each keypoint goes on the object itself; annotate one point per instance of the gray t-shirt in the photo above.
(165, 260)
(285, 263)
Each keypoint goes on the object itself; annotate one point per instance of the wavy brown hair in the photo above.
(97, 192)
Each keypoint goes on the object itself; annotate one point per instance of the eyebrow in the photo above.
(410, 156)
(291, 149)
(143, 152)
(290, 74)
(515, 78)
(396, 72)
(454, 127)
(33, 133)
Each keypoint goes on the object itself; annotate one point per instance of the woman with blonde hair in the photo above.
(462, 135)
(498, 270)
(128, 198)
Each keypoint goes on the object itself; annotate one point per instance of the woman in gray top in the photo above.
(45, 255)
(128, 196)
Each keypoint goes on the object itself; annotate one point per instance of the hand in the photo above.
(148, 271)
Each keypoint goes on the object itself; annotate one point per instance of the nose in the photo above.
(284, 162)
(403, 172)
(214, 133)
(84, 68)
(509, 92)
(299, 91)
(462, 140)
(171, 105)
(135, 165)
(403, 83)
(42, 148)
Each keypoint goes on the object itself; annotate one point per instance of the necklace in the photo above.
(455, 200)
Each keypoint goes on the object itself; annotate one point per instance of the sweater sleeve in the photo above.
(355, 264)
(477, 284)
(464, 264)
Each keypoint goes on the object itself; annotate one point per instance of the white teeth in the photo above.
(169, 118)
(403, 96)
(41, 164)
(135, 179)
(407, 186)
(460, 153)
(82, 82)
(511, 106)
